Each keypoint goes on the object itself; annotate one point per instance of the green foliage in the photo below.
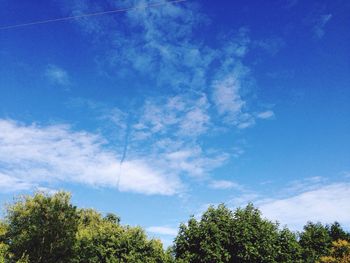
(207, 240)
(3, 246)
(289, 248)
(241, 236)
(336, 232)
(42, 228)
(254, 239)
(112, 218)
(104, 240)
(315, 241)
(3, 252)
(340, 253)
(48, 228)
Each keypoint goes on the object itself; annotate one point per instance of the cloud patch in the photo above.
(162, 230)
(32, 155)
(269, 114)
(320, 23)
(326, 204)
(224, 185)
(57, 75)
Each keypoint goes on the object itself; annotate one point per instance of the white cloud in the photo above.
(320, 24)
(183, 115)
(228, 99)
(306, 184)
(266, 114)
(270, 45)
(226, 96)
(193, 161)
(57, 75)
(47, 190)
(224, 184)
(165, 133)
(9, 183)
(326, 204)
(35, 155)
(162, 230)
(157, 45)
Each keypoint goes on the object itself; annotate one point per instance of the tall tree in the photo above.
(104, 240)
(42, 228)
(242, 236)
(315, 242)
(336, 232)
(289, 247)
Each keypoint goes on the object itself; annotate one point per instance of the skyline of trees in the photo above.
(49, 228)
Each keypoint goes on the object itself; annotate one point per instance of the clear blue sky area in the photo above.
(155, 113)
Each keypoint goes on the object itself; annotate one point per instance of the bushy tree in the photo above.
(48, 228)
(3, 252)
(241, 236)
(3, 245)
(254, 239)
(336, 232)
(206, 240)
(104, 240)
(289, 249)
(315, 242)
(340, 253)
(42, 228)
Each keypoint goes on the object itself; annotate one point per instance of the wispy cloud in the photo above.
(9, 183)
(289, 3)
(227, 97)
(266, 114)
(270, 45)
(166, 131)
(36, 155)
(162, 230)
(224, 185)
(327, 203)
(310, 199)
(183, 115)
(57, 75)
(320, 23)
(158, 45)
(206, 88)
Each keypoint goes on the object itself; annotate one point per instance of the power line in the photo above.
(120, 10)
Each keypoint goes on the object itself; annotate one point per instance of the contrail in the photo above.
(120, 10)
(125, 149)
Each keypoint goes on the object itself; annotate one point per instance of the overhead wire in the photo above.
(119, 10)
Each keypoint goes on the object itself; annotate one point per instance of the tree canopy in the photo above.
(49, 228)
(241, 236)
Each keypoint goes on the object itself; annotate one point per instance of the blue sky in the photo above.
(156, 113)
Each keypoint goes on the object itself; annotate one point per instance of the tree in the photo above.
(315, 242)
(289, 248)
(340, 253)
(42, 228)
(3, 252)
(241, 236)
(104, 240)
(3, 246)
(207, 240)
(336, 232)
